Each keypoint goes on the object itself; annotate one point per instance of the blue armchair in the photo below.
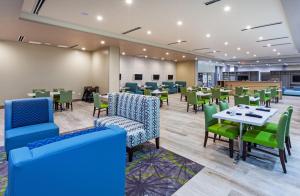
(171, 86)
(152, 85)
(91, 163)
(28, 120)
(133, 88)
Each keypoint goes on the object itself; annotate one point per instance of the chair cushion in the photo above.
(19, 137)
(125, 123)
(228, 131)
(29, 112)
(269, 127)
(261, 137)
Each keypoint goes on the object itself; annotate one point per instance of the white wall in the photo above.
(100, 69)
(27, 66)
(133, 65)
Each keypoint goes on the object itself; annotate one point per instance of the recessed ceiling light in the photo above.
(234, 57)
(149, 32)
(247, 52)
(278, 53)
(175, 60)
(279, 60)
(82, 48)
(274, 50)
(225, 43)
(179, 41)
(269, 45)
(34, 42)
(179, 23)
(99, 18)
(254, 55)
(248, 27)
(146, 56)
(196, 59)
(238, 48)
(261, 38)
(62, 46)
(48, 44)
(167, 53)
(214, 51)
(162, 58)
(208, 35)
(144, 49)
(123, 53)
(225, 54)
(183, 56)
(227, 8)
(257, 61)
(102, 42)
(129, 2)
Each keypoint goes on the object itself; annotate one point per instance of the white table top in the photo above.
(246, 88)
(51, 94)
(201, 94)
(251, 98)
(124, 88)
(225, 90)
(103, 96)
(246, 119)
(158, 92)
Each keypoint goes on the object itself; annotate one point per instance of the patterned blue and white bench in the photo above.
(139, 115)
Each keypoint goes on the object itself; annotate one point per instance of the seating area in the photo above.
(149, 98)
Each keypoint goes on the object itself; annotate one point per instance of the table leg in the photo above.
(240, 144)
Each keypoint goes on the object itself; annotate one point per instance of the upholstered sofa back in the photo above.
(140, 108)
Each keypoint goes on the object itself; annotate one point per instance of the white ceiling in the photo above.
(161, 16)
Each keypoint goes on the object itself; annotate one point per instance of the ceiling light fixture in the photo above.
(254, 55)
(227, 8)
(175, 60)
(179, 23)
(179, 41)
(48, 44)
(208, 35)
(123, 53)
(82, 48)
(234, 57)
(225, 43)
(34, 42)
(269, 45)
(278, 53)
(146, 56)
(248, 27)
(144, 49)
(261, 38)
(99, 18)
(167, 53)
(279, 60)
(214, 51)
(129, 2)
(62, 46)
(102, 42)
(162, 58)
(149, 32)
(196, 59)
(257, 61)
(238, 48)
(247, 52)
(225, 54)
(183, 56)
(274, 50)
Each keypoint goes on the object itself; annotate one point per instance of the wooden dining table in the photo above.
(231, 114)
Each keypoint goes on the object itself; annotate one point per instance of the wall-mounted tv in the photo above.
(120, 76)
(296, 79)
(155, 77)
(170, 77)
(138, 76)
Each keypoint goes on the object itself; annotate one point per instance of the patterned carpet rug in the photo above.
(152, 172)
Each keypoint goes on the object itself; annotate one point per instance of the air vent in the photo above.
(198, 49)
(277, 38)
(38, 6)
(211, 2)
(282, 44)
(21, 37)
(74, 46)
(177, 42)
(262, 26)
(131, 30)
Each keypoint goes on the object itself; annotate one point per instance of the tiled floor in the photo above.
(183, 133)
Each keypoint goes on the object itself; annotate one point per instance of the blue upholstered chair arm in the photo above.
(152, 117)
(89, 164)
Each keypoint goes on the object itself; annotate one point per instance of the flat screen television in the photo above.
(243, 78)
(155, 77)
(120, 76)
(170, 77)
(138, 76)
(296, 79)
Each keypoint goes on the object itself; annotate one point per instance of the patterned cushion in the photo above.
(125, 123)
(30, 112)
(43, 142)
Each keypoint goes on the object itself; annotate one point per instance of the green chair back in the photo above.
(183, 91)
(147, 92)
(65, 97)
(42, 94)
(209, 111)
(239, 90)
(223, 105)
(192, 98)
(262, 95)
(241, 100)
(58, 89)
(97, 101)
(282, 126)
(273, 92)
(216, 93)
(290, 112)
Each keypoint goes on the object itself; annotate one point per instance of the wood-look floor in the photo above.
(183, 133)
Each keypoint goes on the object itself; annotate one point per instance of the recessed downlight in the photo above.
(238, 48)
(226, 43)
(183, 56)
(257, 61)
(144, 49)
(83, 48)
(279, 60)
(162, 58)
(102, 42)
(146, 56)
(179, 23)
(227, 8)
(247, 52)
(175, 60)
(48, 44)
(179, 41)
(99, 18)
(129, 2)
(278, 53)
(167, 53)
(225, 54)
(208, 35)
(248, 27)
(214, 51)
(269, 45)
(62, 46)
(261, 38)
(274, 50)
(123, 53)
(254, 55)
(34, 42)
(196, 59)
(234, 57)
(149, 32)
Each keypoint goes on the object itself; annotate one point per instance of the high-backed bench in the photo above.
(139, 115)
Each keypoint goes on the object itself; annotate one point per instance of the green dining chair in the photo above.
(241, 100)
(239, 91)
(274, 95)
(193, 100)
(164, 97)
(212, 125)
(65, 97)
(183, 92)
(42, 94)
(267, 139)
(216, 94)
(147, 92)
(99, 105)
(58, 89)
(264, 98)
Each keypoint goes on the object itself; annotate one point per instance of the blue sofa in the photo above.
(139, 115)
(171, 87)
(133, 88)
(91, 163)
(295, 91)
(152, 85)
(28, 120)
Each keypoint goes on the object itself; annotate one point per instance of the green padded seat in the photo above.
(261, 138)
(228, 131)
